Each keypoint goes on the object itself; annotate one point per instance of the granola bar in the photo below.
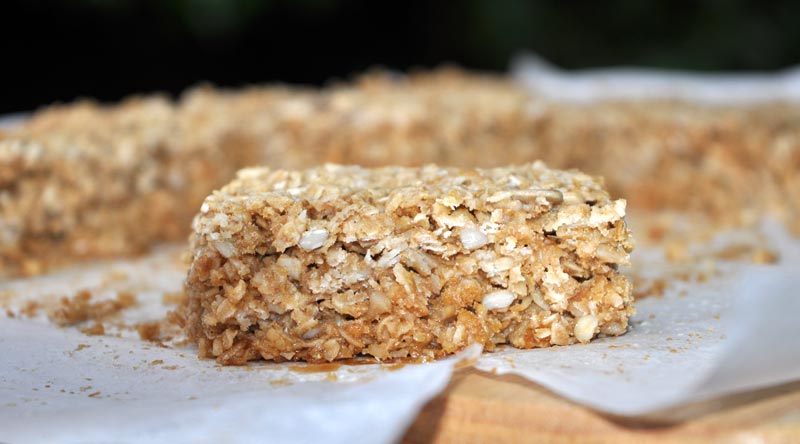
(85, 181)
(340, 261)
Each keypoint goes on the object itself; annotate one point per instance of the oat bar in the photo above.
(87, 181)
(341, 261)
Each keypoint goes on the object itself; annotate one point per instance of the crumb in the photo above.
(157, 331)
(79, 308)
(176, 318)
(96, 329)
(393, 367)
(149, 331)
(81, 347)
(31, 309)
(676, 251)
(94, 395)
(756, 254)
(465, 363)
(764, 256)
(116, 275)
(655, 289)
(126, 299)
(157, 362)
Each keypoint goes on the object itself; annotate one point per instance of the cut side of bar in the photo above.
(337, 262)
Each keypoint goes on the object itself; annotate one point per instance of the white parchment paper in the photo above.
(642, 83)
(54, 394)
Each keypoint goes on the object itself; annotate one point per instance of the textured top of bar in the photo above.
(265, 211)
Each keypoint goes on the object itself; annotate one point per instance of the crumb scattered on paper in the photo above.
(80, 308)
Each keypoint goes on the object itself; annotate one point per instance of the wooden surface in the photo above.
(480, 407)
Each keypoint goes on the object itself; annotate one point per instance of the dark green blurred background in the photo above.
(57, 51)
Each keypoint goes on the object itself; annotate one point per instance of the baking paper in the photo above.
(617, 83)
